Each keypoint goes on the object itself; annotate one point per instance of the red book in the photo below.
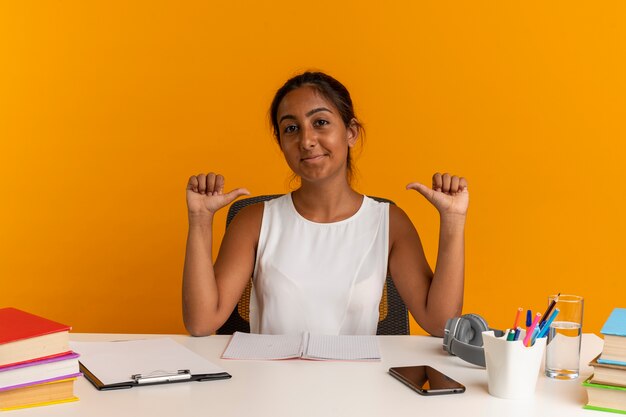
(26, 337)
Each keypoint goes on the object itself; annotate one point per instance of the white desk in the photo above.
(321, 389)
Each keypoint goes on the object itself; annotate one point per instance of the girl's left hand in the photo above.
(449, 194)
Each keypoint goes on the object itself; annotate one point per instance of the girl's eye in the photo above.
(290, 129)
(320, 122)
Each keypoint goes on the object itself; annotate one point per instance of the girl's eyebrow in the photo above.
(308, 114)
(317, 110)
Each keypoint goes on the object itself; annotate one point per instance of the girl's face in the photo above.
(313, 137)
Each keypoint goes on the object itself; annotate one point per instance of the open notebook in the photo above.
(304, 346)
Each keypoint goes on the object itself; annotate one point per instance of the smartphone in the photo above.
(426, 380)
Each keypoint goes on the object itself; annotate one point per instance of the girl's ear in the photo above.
(353, 132)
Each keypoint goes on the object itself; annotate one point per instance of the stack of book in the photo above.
(37, 366)
(606, 388)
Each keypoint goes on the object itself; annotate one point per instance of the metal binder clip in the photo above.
(161, 376)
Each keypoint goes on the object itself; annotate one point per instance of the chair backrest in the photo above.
(393, 314)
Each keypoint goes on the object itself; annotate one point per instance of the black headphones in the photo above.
(463, 338)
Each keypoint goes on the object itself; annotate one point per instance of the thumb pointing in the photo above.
(235, 194)
(422, 189)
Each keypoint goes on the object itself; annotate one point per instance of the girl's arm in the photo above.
(210, 293)
(432, 298)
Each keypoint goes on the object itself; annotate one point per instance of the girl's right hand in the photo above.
(205, 194)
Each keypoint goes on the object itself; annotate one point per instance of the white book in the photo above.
(44, 370)
(304, 346)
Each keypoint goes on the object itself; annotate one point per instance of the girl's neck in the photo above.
(326, 204)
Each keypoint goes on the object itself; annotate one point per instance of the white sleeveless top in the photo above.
(322, 278)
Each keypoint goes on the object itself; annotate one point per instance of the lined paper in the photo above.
(263, 346)
(344, 348)
(319, 347)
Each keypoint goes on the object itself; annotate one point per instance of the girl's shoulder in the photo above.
(249, 216)
(399, 223)
(246, 225)
(397, 215)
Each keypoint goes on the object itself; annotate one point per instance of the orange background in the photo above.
(106, 108)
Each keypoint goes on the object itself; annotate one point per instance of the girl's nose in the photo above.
(308, 138)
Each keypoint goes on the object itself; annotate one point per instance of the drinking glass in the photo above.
(564, 337)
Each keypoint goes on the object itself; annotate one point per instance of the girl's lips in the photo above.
(312, 158)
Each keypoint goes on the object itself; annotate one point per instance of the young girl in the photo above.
(319, 256)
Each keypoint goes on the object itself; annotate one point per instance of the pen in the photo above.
(530, 330)
(529, 318)
(547, 323)
(549, 310)
(519, 311)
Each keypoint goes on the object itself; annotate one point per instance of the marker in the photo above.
(529, 318)
(546, 325)
(533, 336)
(530, 330)
(511, 335)
(517, 333)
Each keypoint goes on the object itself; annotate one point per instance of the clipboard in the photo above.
(132, 363)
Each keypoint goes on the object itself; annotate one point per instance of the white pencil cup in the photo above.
(512, 368)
